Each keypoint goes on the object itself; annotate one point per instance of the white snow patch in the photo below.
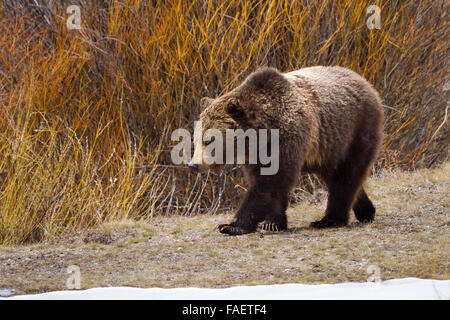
(407, 288)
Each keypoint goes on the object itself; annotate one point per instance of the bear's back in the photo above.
(345, 102)
(337, 87)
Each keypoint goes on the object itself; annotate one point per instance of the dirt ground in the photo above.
(409, 238)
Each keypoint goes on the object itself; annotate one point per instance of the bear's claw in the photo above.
(268, 226)
(231, 230)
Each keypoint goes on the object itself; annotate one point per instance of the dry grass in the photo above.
(86, 115)
(409, 238)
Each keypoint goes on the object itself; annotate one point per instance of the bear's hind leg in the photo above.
(363, 207)
(344, 185)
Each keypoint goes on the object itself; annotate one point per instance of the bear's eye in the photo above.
(235, 111)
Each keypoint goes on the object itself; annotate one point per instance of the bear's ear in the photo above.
(205, 102)
(235, 111)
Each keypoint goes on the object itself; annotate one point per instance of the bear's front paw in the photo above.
(327, 223)
(232, 230)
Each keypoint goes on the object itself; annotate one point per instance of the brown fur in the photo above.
(330, 121)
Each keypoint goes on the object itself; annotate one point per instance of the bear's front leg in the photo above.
(254, 209)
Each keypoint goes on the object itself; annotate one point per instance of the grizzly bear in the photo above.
(330, 123)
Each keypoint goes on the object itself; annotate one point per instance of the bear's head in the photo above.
(217, 116)
(251, 105)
